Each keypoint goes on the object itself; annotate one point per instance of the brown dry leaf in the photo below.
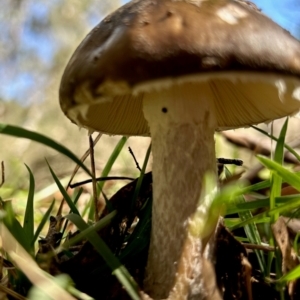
(3, 286)
(289, 256)
(5, 291)
(293, 225)
(29, 267)
(288, 190)
(233, 269)
(247, 274)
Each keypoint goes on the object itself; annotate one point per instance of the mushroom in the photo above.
(180, 70)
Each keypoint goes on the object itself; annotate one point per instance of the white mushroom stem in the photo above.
(182, 123)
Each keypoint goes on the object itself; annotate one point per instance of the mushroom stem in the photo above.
(183, 151)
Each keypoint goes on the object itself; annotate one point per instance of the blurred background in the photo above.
(37, 39)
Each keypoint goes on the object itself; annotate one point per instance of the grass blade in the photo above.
(275, 191)
(140, 237)
(140, 179)
(95, 227)
(42, 223)
(114, 155)
(290, 149)
(288, 176)
(64, 192)
(260, 203)
(292, 275)
(294, 203)
(13, 225)
(252, 234)
(276, 180)
(118, 269)
(256, 187)
(29, 267)
(28, 224)
(40, 138)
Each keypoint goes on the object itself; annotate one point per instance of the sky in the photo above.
(284, 12)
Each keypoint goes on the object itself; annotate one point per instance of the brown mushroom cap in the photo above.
(251, 64)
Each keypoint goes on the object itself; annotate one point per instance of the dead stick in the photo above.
(94, 182)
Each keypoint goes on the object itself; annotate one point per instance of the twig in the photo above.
(74, 185)
(83, 158)
(11, 292)
(228, 161)
(258, 247)
(136, 162)
(224, 161)
(2, 173)
(94, 182)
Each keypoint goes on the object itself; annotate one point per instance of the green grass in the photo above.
(228, 201)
